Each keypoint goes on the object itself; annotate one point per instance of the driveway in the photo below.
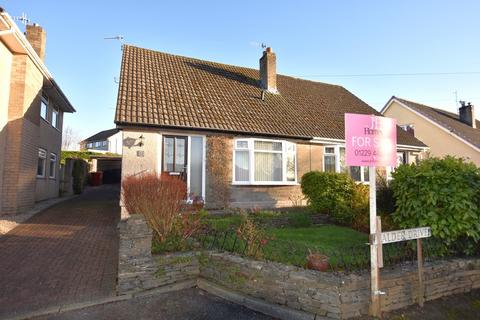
(67, 253)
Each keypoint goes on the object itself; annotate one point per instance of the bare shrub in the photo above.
(160, 200)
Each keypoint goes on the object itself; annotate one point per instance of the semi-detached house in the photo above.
(275, 127)
(31, 117)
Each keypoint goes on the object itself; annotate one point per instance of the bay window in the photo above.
(260, 161)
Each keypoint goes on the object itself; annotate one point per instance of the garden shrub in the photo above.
(160, 200)
(79, 174)
(327, 190)
(385, 198)
(443, 194)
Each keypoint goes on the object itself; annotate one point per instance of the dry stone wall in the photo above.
(331, 295)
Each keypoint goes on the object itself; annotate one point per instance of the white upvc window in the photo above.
(264, 162)
(44, 107)
(52, 168)
(334, 161)
(54, 120)
(41, 164)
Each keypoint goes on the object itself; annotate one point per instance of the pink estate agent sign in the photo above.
(370, 140)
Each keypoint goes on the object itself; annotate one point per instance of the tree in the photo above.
(70, 139)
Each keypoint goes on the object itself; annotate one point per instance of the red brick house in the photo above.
(275, 127)
(31, 117)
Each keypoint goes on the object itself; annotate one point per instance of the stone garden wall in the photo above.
(138, 270)
(331, 295)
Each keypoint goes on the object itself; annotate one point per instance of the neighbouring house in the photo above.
(104, 141)
(31, 117)
(444, 132)
(174, 110)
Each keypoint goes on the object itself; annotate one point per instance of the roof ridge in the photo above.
(228, 65)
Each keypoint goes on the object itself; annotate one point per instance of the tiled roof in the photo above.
(447, 120)
(160, 89)
(102, 135)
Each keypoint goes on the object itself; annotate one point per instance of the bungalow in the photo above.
(446, 133)
(253, 131)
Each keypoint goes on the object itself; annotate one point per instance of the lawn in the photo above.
(291, 245)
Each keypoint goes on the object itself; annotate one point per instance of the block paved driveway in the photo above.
(67, 253)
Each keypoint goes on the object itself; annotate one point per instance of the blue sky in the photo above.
(312, 39)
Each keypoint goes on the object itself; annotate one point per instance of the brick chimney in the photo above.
(467, 114)
(37, 37)
(268, 71)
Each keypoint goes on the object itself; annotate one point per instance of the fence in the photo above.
(348, 259)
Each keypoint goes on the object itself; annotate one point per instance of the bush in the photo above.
(443, 194)
(79, 174)
(160, 200)
(325, 191)
(385, 198)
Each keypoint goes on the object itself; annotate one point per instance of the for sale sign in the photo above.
(370, 140)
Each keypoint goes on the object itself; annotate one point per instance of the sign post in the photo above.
(371, 141)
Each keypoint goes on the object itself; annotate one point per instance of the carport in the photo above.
(110, 166)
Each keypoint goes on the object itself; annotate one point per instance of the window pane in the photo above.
(343, 167)
(355, 173)
(268, 166)
(291, 167)
(242, 144)
(40, 166)
(400, 158)
(329, 163)
(54, 118)
(168, 154)
(268, 145)
(43, 110)
(180, 154)
(330, 150)
(241, 166)
(366, 178)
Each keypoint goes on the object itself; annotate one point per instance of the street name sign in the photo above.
(407, 234)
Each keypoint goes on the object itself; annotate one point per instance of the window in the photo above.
(104, 143)
(97, 144)
(174, 154)
(44, 108)
(89, 145)
(52, 169)
(334, 161)
(42, 156)
(54, 120)
(258, 161)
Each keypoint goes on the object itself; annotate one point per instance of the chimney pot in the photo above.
(37, 37)
(268, 71)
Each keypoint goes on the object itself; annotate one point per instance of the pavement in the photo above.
(192, 304)
(67, 253)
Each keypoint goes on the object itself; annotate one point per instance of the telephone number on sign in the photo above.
(365, 153)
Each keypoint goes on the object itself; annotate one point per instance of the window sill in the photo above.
(253, 184)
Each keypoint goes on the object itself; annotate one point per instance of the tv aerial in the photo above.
(23, 19)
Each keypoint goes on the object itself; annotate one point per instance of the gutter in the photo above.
(20, 39)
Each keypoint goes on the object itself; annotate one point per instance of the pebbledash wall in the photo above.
(313, 294)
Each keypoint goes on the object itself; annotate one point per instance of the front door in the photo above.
(175, 156)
